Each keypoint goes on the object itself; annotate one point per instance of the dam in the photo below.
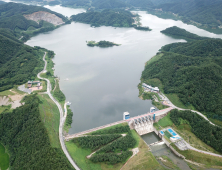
(143, 124)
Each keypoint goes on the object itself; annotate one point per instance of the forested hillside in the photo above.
(18, 62)
(201, 11)
(193, 71)
(12, 17)
(177, 32)
(24, 135)
(108, 4)
(108, 17)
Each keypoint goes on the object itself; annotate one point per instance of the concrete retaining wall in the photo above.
(154, 129)
(165, 141)
(176, 153)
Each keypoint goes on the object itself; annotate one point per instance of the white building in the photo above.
(152, 89)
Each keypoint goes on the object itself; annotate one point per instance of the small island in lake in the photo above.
(102, 44)
(142, 28)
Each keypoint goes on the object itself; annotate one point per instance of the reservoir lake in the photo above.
(102, 82)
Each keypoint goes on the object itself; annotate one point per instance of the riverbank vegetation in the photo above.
(68, 121)
(58, 94)
(102, 44)
(168, 162)
(108, 17)
(29, 146)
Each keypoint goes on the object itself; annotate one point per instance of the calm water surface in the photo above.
(103, 81)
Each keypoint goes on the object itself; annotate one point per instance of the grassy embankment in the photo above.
(164, 122)
(143, 159)
(168, 162)
(208, 160)
(4, 158)
(50, 116)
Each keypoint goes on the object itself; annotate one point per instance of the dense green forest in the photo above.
(108, 17)
(111, 147)
(121, 144)
(11, 17)
(24, 135)
(193, 71)
(177, 32)
(19, 63)
(201, 11)
(113, 130)
(108, 4)
(208, 133)
(94, 142)
(204, 12)
(101, 44)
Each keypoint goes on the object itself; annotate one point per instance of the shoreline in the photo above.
(62, 116)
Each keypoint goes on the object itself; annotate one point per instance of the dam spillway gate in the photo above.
(143, 125)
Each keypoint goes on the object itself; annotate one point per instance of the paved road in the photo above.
(163, 97)
(62, 118)
(201, 151)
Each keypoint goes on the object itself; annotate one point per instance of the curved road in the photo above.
(163, 97)
(62, 118)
